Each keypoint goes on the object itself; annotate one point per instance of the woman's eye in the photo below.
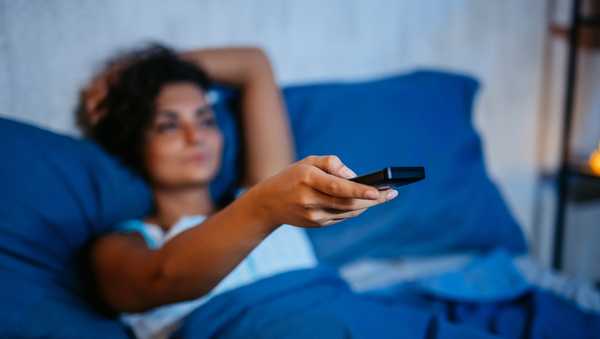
(166, 126)
(208, 122)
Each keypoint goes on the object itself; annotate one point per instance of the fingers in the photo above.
(331, 164)
(324, 218)
(344, 204)
(341, 188)
(328, 210)
(335, 198)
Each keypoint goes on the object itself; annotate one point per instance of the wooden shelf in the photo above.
(574, 183)
(584, 172)
(584, 185)
(591, 21)
(589, 37)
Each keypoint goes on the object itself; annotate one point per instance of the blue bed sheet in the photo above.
(317, 303)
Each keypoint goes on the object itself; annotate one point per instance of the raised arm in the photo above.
(267, 137)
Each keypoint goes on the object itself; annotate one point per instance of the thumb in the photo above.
(332, 165)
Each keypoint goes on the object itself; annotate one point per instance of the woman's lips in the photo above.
(199, 157)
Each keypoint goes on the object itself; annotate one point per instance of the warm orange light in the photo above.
(595, 161)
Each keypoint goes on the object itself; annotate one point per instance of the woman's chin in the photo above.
(200, 179)
(184, 182)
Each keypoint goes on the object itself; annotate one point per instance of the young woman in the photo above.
(149, 109)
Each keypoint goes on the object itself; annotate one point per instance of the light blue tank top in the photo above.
(286, 249)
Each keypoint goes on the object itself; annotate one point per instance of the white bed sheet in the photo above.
(372, 274)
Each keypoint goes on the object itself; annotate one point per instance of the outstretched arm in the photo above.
(313, 192)
(267, 136)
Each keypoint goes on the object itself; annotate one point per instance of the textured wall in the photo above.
(49, 48)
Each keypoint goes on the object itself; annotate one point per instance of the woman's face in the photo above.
(183, 144)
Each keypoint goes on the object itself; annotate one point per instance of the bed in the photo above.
(444, 259)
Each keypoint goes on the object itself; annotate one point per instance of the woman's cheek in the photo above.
(161, 158)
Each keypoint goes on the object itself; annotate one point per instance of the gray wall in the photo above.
(49, 48)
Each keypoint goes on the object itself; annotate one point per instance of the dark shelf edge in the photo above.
(572, 169)
(583, 173)
(590, 20)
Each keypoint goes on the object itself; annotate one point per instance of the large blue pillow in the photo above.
(56, 194)
(420, 118)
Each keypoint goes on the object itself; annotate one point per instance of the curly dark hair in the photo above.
(129, 106)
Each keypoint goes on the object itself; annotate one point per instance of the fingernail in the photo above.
(392, 194)
(348, 173)
(372, 194)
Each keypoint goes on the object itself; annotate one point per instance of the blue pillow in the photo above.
(420, 118)
(224, 186)
(56, 194)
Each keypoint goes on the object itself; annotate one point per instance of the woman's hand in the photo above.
(313, 192)
(95, 91)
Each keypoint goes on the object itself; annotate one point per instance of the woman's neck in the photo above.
(172, 204)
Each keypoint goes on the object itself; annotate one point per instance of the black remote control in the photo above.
(391, 177)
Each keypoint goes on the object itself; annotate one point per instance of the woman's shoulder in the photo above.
(154, 235)
(151, 233)
(184, 223)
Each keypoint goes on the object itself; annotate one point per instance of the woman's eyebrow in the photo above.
(204, 110)
(168, 114)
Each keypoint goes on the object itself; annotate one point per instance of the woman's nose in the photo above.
(192, 134)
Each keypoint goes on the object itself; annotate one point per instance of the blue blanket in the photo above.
(317, 303)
